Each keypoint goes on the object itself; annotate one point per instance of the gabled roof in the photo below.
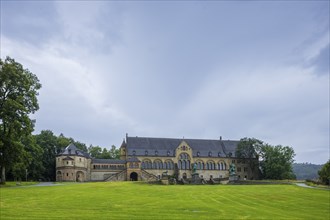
(72, 150)
(142, 146)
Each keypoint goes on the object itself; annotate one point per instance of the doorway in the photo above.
(133, 176)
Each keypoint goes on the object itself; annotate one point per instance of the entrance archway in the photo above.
(133, 176)
(80, 177)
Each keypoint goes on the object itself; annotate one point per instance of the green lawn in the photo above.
(134, 200)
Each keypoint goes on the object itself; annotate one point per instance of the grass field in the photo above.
(134, 200)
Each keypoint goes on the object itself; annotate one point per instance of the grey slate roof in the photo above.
(108, 161)
(141, 146)
(133, 159)
(71, 149)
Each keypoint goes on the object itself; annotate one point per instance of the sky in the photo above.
(192, 69)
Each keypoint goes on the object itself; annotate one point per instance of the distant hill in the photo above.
(306, 170)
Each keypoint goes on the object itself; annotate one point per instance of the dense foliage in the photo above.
(18, 100)
(277, 162)
(274, 162)
(324, 173)
(305, 171)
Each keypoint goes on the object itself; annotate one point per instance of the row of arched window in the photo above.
(183, 165)
(157, 164)
(211, 166)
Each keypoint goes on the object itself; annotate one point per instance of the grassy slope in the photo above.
(127, 200)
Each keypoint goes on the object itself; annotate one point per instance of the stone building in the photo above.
(147, 159)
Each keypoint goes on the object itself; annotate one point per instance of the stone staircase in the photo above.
(121, 176)
(145, 176)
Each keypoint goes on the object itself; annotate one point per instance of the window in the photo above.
(198, 154)
(79, 159)
(245, 169)
(239, 169)
(146, 153)
(67, 162)
(210, 154)
(184, 161)
(156, 153)
(168, 153)
(219, 154)
(67, 174)
(233, 161)
(134, 152)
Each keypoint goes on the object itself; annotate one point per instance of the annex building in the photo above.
(147, 159)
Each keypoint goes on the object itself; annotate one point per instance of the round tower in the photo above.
(73, 165)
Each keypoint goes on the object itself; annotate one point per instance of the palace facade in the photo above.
(147, 159)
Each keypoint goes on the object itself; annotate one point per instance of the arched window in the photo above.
(183, 164)
(171, 164)
(224, 166)
(146, 153)
(179, 164)
(184, 161)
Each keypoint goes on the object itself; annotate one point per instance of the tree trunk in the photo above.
(3, 175)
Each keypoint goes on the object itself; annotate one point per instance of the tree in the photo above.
(105, 154)
(95, 151)
(277, 162)
(114, 152)
(18, 100)
(80, 146)
(49, 144)
(248, 150)
(324, 173)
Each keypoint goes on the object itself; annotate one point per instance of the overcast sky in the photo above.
(172, 69)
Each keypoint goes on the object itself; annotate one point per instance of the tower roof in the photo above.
(72, 150)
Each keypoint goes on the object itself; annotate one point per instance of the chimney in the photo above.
(220, 138)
